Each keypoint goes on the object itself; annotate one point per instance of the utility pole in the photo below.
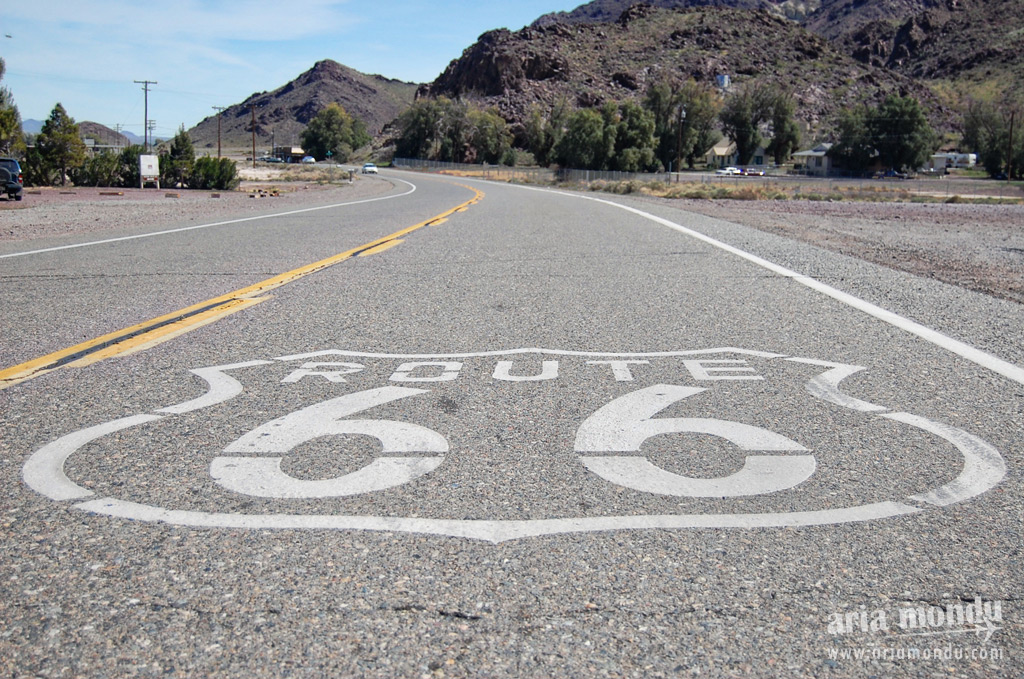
(145, 125)
(218, 109)
(150, 129)
(252, 107)
(679, 138)
(1009, 155)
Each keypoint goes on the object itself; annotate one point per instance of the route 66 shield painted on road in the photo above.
(501, 445)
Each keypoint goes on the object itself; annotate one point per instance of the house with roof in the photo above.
(816, 162)
(724, 154)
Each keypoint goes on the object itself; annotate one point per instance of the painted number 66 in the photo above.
(411, 451)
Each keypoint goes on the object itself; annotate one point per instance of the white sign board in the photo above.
(149, 171)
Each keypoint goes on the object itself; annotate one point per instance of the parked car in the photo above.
(729, 170)
(309, 160)
(753, 172)
(370, 168)
(11, 180)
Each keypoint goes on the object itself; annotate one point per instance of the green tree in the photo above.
(742, 115)
(987, 132)
(59, 143)
(452, 131)
(490, 138)
(702, 106)
(684, 120)
(632, 144)
(11, 139)
(902, 134)
(855, 146)
(36, 170)
(128, 165)
(176, 164)
(583, 144)
(418, 128)
(334, 131)
(543, 133)
(785, 132)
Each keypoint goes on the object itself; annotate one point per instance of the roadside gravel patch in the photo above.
(52, 212)
(978, 247)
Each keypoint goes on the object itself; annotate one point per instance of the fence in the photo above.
(927, 186)
(534, 175)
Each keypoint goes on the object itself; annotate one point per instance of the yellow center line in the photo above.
(162, 328)
(382, 247)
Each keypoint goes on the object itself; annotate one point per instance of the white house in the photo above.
(815, 161)
(940, 162)
(723, 154)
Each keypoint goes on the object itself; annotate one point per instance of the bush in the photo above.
(102, 169)
(220, 174)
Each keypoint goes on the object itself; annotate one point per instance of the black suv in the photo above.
(11, 180)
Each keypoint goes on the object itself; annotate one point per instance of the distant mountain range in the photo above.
(88, 129)
(831, 53)
(283, 114)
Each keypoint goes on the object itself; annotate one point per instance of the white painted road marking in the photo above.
(623, 423)
(212, 224)
(962, 349)
(263, 477)
(627, 422)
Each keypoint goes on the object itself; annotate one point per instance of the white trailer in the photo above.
(149, 171)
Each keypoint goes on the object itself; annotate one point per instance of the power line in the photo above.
(145, 126)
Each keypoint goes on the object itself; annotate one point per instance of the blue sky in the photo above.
(206, 53)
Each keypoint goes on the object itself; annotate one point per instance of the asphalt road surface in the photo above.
(471, 429)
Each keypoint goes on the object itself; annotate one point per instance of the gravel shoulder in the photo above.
(55, 212)
(977, 247)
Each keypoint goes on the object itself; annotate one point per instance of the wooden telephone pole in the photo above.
(145, 125)
(1009, 155)
(252, 107)
(218, 109)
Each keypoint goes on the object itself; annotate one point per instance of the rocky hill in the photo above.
(102, 134)
(958, 46)
(590, 63)
(283, 114)
(603, 11)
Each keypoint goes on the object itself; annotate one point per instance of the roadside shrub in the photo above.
(103, 169)
(219, 174)
(745, 193)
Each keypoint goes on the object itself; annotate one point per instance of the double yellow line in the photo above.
(162, 328)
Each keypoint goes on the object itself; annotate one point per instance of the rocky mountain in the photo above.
(959, 46)
(590, 63)
(603, 11)
(283, 114)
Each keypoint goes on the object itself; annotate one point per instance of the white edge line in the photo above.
(971, 353)
(206, 226)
